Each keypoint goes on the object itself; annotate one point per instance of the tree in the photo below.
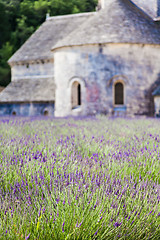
(5, 52)
(4, 21)
(20, 18)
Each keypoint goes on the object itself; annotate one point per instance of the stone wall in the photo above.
(32, 70)
(27, 109)
(24, 97)
(157, 106)
(98, 68)
(151, 7)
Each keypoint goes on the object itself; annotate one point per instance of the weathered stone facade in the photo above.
(98, 68)
(102, 62)
(27, 109)
(33, 70)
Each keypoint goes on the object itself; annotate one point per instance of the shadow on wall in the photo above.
(149, 95)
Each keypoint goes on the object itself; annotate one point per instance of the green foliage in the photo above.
(5, 52)
(20, 18)
(4, 21)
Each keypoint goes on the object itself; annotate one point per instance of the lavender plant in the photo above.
(90, 178)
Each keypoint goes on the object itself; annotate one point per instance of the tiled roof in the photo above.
(121, 21)
(29, 91)
(38, 46)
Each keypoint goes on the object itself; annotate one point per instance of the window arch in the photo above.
(119, 93)
(14, 113)
(76, 94)
(45, 112)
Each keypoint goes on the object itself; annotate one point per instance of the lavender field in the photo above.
(91, 178)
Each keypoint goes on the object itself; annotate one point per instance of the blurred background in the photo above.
(20, 18)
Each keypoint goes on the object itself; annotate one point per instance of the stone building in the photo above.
(106, 62)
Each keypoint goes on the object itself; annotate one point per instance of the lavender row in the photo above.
(92, 178)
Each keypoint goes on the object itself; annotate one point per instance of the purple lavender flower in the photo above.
(117, 224)
(27, 237)
(63, 226)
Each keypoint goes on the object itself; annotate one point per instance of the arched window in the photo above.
(76, 94)
(45, 112)
(14, 113)
(119, 93)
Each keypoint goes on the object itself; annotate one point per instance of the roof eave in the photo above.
(33, 60)
(101, 42)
